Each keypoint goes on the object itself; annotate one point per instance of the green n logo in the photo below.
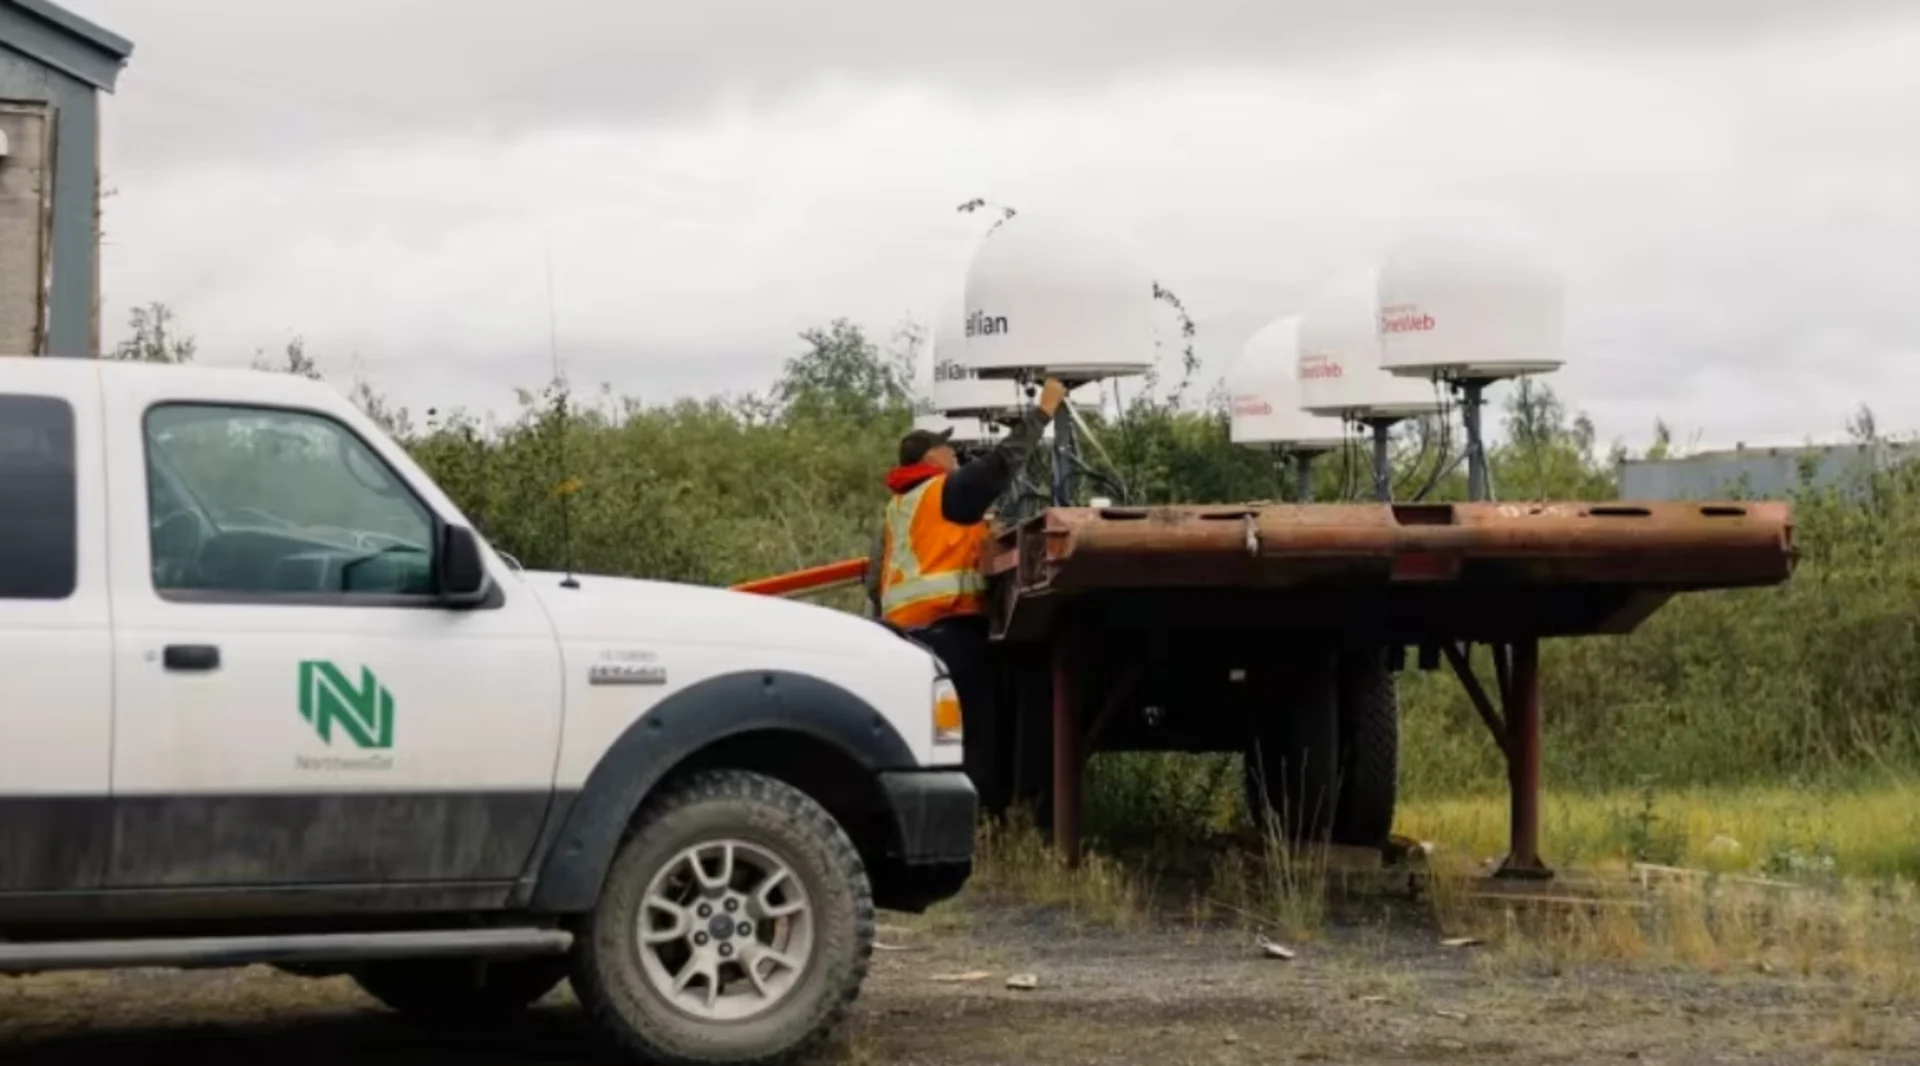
(364, 714)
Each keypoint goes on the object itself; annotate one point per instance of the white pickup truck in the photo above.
(266, 697)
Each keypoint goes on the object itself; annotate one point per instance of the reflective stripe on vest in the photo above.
(911, 597)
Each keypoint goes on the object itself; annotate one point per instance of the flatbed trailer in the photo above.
(1275, 630)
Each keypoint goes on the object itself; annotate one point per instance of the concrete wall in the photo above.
(32, 94)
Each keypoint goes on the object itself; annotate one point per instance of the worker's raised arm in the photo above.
(971, 490)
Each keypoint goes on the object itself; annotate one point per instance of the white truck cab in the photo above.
(265, 696)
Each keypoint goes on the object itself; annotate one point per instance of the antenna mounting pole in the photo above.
(1382, 458)
(563, 485)
(1472, 397)
(1064, 454)
(1302, 469)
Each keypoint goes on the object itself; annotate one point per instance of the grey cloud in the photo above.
(275, 77)
(1741, 224)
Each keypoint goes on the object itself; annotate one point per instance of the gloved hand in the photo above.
(1051, 396)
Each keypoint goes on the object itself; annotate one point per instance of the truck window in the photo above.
(260, 501)
(39, 540)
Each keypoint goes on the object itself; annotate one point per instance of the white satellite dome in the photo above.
(1339, 369)
(1049, 299)
(1458, 306)
(1264, 390)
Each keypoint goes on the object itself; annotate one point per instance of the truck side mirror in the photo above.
(462, 573)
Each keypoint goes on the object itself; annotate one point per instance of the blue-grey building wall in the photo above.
(1754, 473)
(74, 245)
(50, 56)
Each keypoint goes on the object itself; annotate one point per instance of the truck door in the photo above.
(294, 704)
(56, 697)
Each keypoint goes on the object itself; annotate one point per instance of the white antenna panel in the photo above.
(1015, 402)
(956, 392)
(1463, 309)
(1050, 300)
(971, 397)
(1340, 372)
(965, 430)
(1264, 391)
(949, 341)
(993, 399)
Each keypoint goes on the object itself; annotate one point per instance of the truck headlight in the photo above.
(946, 712)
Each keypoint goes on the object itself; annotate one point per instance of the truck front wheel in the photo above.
(465, 991)
(735, 926)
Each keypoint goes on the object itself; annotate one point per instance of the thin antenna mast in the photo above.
(565, 486)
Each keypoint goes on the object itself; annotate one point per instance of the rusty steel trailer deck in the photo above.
(1195, 627)
(1486, 571)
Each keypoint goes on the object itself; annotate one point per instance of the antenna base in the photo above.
(1382, 427)
(1472, 392)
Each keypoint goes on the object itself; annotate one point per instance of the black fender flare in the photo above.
(571, 871)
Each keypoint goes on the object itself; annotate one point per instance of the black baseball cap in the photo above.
(915, 445)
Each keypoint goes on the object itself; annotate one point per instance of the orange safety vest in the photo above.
(929, 567)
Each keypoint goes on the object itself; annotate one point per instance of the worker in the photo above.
(923, 575)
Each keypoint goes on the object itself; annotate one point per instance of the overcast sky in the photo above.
(1732, 188)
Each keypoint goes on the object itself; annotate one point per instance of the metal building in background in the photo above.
(53, 66)
(1756, 473)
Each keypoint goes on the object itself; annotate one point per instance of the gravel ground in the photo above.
(1165, 996)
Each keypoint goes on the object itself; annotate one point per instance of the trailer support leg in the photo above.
(1515, 726)
(1476, 695)
(1067, 763)
(1522, 697)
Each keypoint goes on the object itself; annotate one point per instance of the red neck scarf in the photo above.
(902, 479)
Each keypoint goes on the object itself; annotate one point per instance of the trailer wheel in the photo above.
(1027, 729)
(1369, 750)
(987, 750)
(1293, 758)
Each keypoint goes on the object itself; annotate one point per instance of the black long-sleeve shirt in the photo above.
(969, 491)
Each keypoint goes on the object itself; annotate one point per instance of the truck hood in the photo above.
(618, 608)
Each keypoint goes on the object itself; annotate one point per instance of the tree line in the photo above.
(1815, 680)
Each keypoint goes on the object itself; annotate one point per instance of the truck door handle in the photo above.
(190, 657)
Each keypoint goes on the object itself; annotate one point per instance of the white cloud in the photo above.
(1740, 228)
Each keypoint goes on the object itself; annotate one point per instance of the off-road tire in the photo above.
(460, 991)
(607, 970)
(1290, 776)
(1369, 750)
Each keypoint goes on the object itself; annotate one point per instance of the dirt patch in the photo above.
(1166, 995)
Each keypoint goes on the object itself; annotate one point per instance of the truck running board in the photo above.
(186, 952)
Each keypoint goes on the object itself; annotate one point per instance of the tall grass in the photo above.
(1813, 681)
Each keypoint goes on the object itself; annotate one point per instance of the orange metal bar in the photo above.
(808, 582)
